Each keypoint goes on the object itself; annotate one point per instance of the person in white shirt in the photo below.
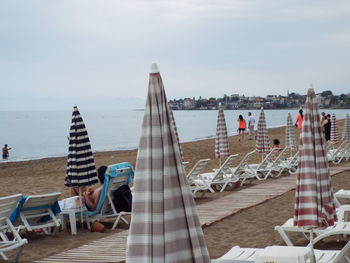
(251, 123)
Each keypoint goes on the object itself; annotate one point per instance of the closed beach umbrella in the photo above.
(262, 138)
(164, 225)
(81, 169)
(176, 133)
(222, 149)
(334, 131)
(290, 132)
(314, 206)
(346, 129)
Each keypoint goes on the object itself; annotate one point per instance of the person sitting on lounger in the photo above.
(92, 196)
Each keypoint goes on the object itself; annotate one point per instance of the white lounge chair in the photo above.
(249, 255)
(105, 207)
(286, 161)
(342, 226)
(7, 205)
(195, 180)
(39, 212)
(223, 176)
(339, 154)
(242, 170)
(262, 170)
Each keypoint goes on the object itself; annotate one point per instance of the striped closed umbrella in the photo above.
(81, 169)
(314, 206)
(176, 133)
(222, 149)
(334, 131)
(346, 129)
(262, 144)
(164, 226)
(290, 133)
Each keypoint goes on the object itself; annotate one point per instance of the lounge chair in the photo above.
(195, 180)
(38, 212)
(116, 176)
(249, 255)
(286, 161)
(262, 170)
(7, 205)
(242, 170)
(339, 154)
(223, 176)
(342, 226)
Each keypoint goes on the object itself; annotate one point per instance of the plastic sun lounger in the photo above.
(262, 170)
(339, 154)
(285, 162)
(222, 176)
(195, 180)
(105, 207)
(242, 171)
(249, 255)
(7, 205)
(342, 227)
(36, 212)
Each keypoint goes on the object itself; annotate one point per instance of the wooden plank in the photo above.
(112, 248)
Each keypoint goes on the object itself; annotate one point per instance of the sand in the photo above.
(250, 228)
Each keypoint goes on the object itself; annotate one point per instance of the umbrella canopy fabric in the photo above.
(346, 129)
(164, 226)
(176, 133)
(314, 206)
(262, 138)
(290, 132)
(81, 169)
(222, 149)
(334, 131)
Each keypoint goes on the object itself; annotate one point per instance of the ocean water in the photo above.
(40, 134)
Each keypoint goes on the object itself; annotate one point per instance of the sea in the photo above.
(42, 134)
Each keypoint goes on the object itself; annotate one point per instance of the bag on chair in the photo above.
(122, 199)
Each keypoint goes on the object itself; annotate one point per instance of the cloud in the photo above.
(93, 49)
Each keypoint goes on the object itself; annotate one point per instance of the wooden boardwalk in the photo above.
(112, 248)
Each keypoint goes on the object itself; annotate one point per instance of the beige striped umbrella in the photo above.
(222, 149)
(176, 133)
(164, 225)
(290, 133)
(262, 138)
(334, 131)
(346, 129)
(314, 206)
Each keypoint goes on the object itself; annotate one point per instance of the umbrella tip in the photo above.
(154, 68)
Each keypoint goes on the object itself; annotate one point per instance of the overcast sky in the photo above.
(57, 53)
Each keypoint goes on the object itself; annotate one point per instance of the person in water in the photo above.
(5, 152)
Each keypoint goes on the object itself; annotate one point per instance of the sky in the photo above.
(97, 54)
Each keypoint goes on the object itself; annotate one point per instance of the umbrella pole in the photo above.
(219, 162)
(81, 208)
(313, 259)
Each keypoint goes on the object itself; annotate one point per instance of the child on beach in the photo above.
(241, 127)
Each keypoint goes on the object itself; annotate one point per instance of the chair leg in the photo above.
(116, 221)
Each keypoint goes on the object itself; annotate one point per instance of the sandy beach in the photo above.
(250, 228)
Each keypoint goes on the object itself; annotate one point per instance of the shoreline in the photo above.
(118, 150)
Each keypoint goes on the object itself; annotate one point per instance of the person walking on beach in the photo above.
(251, 123)
(5, 152)
(299, 122)
(241, 127)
